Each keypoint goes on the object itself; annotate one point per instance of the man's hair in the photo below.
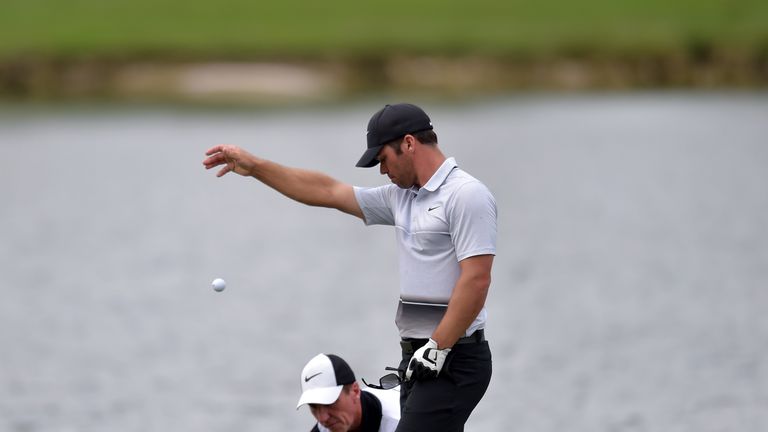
(428, 137)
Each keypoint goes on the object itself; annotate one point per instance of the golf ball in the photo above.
(219, 285)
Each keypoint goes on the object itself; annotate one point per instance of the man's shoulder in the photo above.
(459, 179)
(389, 399)
(462, 186)
(391, 394)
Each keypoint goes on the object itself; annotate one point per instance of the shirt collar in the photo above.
(438, 178)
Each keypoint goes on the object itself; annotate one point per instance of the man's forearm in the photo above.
(308, 187)
(305, 186)
(467, 300)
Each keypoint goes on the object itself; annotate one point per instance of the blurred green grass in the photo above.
(292, 28)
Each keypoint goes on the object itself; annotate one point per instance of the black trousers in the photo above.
(444, 404)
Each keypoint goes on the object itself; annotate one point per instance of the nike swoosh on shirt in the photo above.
(432, 208)
(306, 379)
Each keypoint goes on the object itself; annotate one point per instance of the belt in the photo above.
(410, 345)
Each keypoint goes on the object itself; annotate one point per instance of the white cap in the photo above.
(323, 378)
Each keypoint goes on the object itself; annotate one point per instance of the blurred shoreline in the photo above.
(318, 80)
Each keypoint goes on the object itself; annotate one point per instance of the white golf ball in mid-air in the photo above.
(219, 285)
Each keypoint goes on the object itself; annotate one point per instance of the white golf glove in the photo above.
(426, 362)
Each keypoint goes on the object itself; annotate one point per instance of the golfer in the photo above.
(338, 403)
(445, 223)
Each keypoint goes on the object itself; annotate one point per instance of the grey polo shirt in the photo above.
(451, 218)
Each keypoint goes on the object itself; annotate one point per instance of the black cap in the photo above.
(341, 369)
(390, 123)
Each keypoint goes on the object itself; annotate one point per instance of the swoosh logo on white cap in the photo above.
(306, 379)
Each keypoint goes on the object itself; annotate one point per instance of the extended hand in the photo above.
(426, 362)
(233, 158)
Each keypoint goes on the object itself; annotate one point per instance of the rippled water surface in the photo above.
(630, 288)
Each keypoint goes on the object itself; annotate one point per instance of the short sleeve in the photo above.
(472, 218)
(376, 204)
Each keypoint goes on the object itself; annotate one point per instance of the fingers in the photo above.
(230, 156)
(223, 171)
(213, 161)
(217, 156)
(409, 370)
(420, 373)
(214, 149)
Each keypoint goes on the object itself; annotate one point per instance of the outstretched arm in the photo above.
(308, 187)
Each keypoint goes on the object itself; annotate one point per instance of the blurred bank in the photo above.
(243, 51)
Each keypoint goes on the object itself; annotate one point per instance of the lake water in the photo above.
(630, 289)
